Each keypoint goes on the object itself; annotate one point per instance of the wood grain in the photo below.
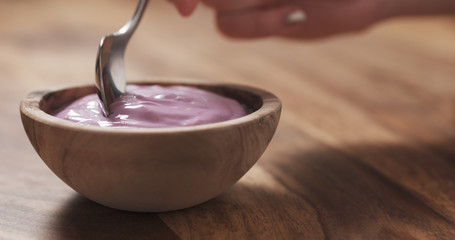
(365, 148)
(150, 169)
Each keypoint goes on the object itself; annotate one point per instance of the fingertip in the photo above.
(185, 7)
(257, 23)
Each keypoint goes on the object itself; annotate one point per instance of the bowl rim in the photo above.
(30, 107)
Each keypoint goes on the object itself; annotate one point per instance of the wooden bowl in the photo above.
(150, 169)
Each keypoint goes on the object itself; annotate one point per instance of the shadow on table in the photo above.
(381, 191)
(369, 192)
(81, 218)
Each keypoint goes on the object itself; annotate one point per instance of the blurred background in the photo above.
(47, 43)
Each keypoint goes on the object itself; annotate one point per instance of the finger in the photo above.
(230, 5)
(257, 23)
(326, 18)
(185, 7)
(321, 18)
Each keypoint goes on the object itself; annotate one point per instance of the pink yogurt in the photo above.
(154, 107)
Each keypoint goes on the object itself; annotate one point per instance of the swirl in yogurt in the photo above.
(154, 106)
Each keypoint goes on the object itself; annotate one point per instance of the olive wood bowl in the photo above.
(151, 169)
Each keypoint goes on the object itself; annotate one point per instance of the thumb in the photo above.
(185, 7)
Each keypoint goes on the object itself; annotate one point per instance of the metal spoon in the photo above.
(110, 74)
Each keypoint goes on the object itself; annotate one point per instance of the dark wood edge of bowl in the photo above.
(37, 105)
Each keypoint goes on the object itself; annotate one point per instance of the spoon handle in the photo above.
(110, 74)
(131, 25)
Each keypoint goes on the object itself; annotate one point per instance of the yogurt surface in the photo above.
(154, 106)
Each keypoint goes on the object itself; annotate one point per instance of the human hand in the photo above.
(291, 18)
(308, 18)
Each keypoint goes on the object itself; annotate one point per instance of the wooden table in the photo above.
(365, 148)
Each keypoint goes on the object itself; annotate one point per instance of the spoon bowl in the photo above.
(151, 169)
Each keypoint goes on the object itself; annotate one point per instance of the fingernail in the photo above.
(297, 16)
